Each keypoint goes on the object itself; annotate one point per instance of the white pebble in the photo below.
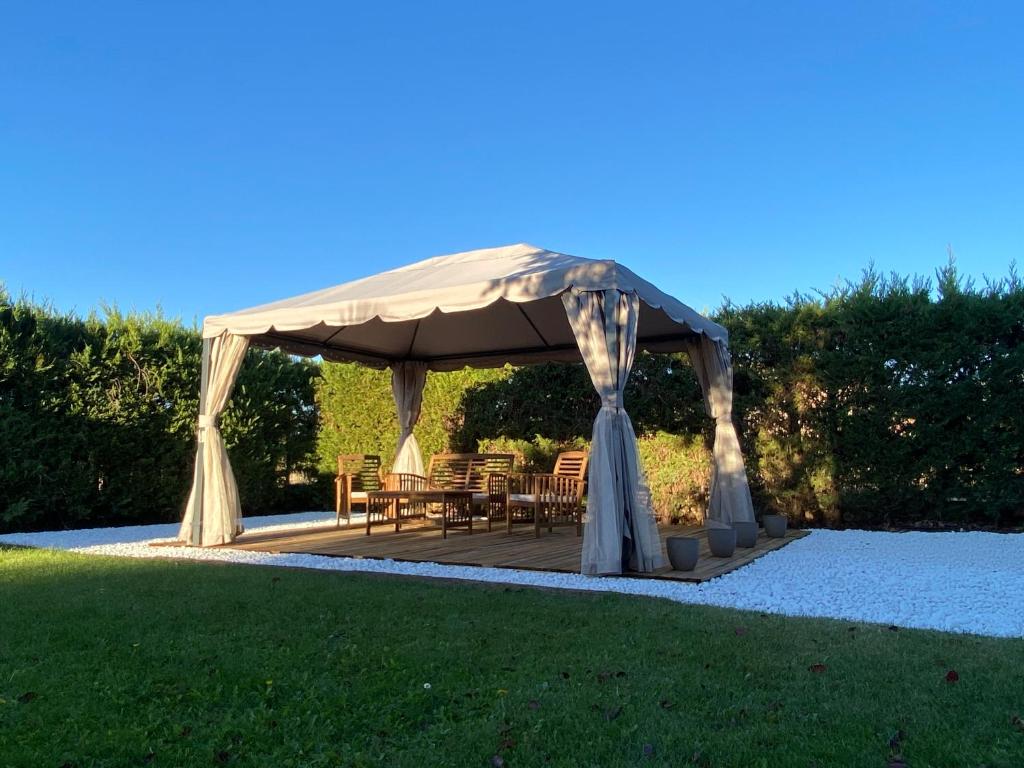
(969, 582)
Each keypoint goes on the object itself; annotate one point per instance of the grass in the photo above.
(125, 662)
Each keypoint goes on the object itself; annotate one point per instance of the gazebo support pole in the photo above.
(196, 538)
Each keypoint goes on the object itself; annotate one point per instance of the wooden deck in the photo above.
(557, 551)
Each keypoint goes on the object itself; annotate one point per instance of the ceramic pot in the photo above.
(775, 526)
(722, 541)
(746, 534)
(683, 552)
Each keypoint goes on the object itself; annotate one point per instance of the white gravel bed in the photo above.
(129, 534)
(957, 582)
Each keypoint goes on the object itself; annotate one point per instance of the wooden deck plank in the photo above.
(557, 551)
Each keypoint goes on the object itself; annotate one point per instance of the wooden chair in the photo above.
(510, 498)
(542, 500)
(395, 509)
(559, 501)
(467, 472)
(358, 473)
(498, 489)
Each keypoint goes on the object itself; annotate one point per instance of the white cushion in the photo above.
(530, 498)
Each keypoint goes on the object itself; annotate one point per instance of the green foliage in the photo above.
(358, 411)
(883, 402)
(441, 424)
(254, 666)
(781, 407)
(97, 420)
(535, 455)
(270, 428)
(678, 469)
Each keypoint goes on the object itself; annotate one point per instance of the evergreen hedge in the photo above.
(97, 421)
(885, 402)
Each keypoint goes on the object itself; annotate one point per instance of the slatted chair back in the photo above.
(363, 471)
(558, 501)
(449, 471)
(497, 497)
(572, 464)
(358, 474)
(486, 465)
(466, 471)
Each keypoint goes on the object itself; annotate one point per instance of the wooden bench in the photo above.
(466, 471)
(464, 474)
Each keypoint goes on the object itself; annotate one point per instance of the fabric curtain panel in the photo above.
(407, 380)
(214, 491)
(620, 532)
(730, 494)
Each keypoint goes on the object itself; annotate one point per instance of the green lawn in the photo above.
(121, 662)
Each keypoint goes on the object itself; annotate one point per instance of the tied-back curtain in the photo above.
(407, 380)
(730, 494)
(621, 532)
(214, 495)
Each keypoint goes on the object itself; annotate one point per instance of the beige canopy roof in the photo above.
(508, 302)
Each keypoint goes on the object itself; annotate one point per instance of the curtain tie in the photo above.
(206, 422)
(613, 400)
(723, 418)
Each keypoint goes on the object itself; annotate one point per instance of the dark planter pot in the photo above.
(722, 541)
(746, 534)
(683, 552)
(775, 526)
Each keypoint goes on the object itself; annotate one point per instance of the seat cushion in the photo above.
(358, 496)
(530, 498)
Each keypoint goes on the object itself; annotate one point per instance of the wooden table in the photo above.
(384, 507)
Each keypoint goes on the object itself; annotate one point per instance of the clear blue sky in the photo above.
(210, 156)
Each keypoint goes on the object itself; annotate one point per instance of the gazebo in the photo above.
(516, 304)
